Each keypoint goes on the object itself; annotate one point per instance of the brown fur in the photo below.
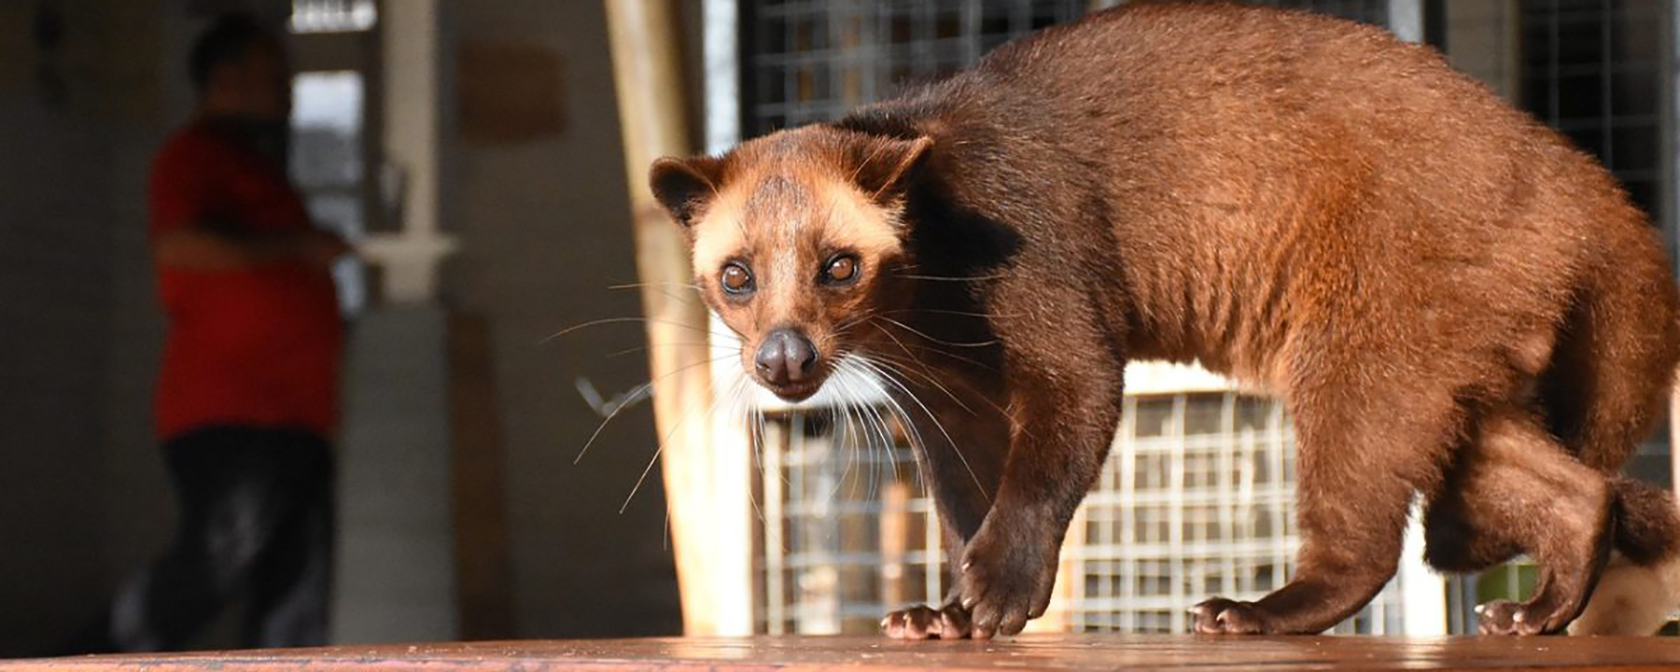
(1452, 299)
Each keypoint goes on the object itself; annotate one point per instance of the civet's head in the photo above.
(795, 239)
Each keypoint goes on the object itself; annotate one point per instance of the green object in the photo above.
(1510, 581)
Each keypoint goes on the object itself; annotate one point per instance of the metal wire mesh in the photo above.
(846, 528)
(1592, 69)
(1186, 507)
(1196, 499)
(810, 60)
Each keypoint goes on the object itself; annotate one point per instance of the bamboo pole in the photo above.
(710, 538)
(1674, 439)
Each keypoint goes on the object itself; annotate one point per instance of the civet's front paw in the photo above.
(1504, 617)
(1220, 616)
(1007, 573)
(924, 622)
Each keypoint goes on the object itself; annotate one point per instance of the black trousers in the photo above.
(256, 522)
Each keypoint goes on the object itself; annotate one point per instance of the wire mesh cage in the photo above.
(846, 528)
(810, 60)
(1196, 499)
(1591, 70)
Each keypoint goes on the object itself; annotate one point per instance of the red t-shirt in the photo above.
(258, 346)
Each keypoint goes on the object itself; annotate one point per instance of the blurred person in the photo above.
(247, 397)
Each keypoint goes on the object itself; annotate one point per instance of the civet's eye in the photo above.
(841, 268)
(736, 278)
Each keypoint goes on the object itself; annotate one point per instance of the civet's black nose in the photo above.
(786, 357)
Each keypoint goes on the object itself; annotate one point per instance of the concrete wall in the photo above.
(55, 293)
(544, 231)
(82, 497)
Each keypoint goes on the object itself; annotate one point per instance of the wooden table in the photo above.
(874, 654)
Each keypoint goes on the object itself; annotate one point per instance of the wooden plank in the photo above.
(1050, 653)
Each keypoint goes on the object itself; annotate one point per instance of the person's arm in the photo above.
(203, 248)
(187, 232)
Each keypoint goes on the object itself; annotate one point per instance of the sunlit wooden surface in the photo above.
(1057, 652)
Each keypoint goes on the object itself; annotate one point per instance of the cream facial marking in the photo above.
(859, 223)
(719, 235)
(760, 209)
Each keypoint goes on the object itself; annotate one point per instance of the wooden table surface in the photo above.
(874, 654)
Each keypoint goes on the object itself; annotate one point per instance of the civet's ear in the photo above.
(685, 185)
(884, 165)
